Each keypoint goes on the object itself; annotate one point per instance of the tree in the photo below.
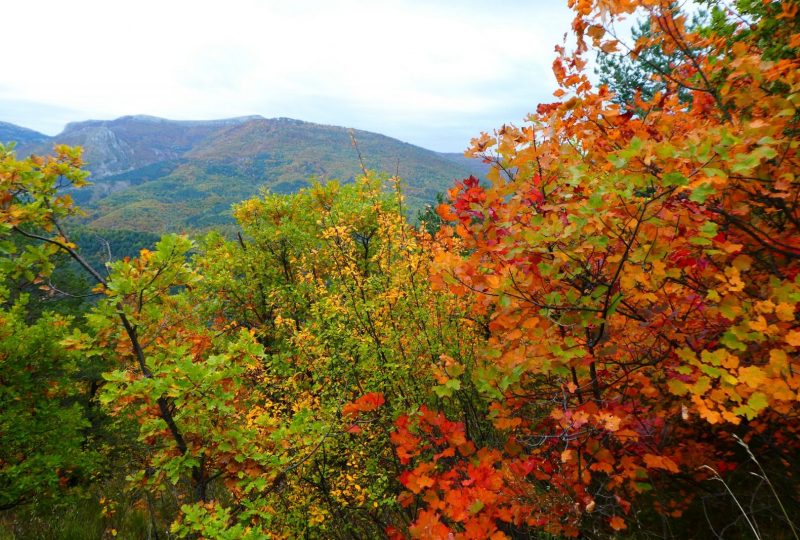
(332, 282)
(638, 70)
(640, 276)
(44, 422)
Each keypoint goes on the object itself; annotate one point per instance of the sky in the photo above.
(434, 73)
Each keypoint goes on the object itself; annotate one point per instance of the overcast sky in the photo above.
(430, 72)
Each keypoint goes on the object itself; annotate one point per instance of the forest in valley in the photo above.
(600, 339)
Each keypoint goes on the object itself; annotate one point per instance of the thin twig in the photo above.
(358, 151)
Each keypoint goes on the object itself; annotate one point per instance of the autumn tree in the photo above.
(332, 281)
(152, 379)
(47, 452)
(639, 267)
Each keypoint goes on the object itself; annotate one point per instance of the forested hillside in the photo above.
(160, 175)
(601, 340)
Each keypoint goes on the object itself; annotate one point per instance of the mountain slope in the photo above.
(20, 135)
(131, 142)
(161, 175)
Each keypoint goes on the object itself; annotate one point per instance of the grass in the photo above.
(77, 520)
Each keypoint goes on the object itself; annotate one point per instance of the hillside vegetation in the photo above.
(160, 175)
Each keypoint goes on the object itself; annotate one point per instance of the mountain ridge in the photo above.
(13, 133)
(160, 175)
(147, 118)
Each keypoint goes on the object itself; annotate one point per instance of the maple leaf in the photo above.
(428, 525)
(366, 403)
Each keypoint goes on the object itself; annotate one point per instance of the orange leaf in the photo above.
(617, 523)
(660, 462)
(793, 338)
(367, 402)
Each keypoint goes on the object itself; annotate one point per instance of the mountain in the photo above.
(132, 142)
(478, 167)
(20, 135)
(162, 175)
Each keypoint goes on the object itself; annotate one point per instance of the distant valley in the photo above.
(158, 175)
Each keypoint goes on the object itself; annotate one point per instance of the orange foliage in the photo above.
(639, 268)
(368, 402)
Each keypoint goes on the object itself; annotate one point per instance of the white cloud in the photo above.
(432, 73)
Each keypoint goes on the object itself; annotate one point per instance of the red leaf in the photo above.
(367, 402)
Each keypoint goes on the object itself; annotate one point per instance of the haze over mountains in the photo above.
(160, 175)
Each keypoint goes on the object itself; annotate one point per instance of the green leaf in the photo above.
(701, 193)
(677, 387)
(447, 389)
(700, 241)
(476, 507)
(675, 179)
(612, 307)
(711, 172)
(709, 229)
(617, 160)
(730, 340)
(711, 371)
(757, 403)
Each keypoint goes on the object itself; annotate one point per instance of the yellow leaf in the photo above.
(733, 277)
(730, 307)
(530, 323)
(759, 325)
(752, 376)
(756, 404)
(731, 248)
(731, 417)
